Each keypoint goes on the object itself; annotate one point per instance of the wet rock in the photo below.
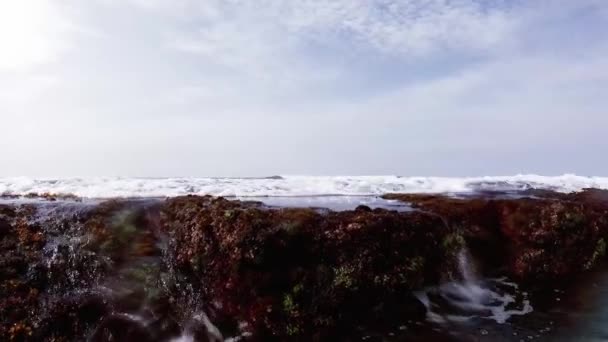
(5, 228)
(7, 211)
(124, 270)
(121, 328)
(363, 208)
(43, 271)
(70, 317)
(546, 236)
(292, 272)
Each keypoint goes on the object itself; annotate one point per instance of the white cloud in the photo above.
(309, 86)
(410, 28)
(402, 27)
(279, 42)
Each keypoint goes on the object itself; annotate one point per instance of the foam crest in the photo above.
(110, 187)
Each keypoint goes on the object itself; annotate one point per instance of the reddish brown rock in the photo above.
(293, 272)
(38, 266)
(77, 271)
(546, 236)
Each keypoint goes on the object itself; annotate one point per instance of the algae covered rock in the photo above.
(216, 268)
(297, 272)
(541, 235)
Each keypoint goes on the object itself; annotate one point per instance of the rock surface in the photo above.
(542, 237)
(154, 270)
(293, 271)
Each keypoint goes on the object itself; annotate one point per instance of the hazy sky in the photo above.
(261, 87)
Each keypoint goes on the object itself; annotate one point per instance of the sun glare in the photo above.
(29, 32)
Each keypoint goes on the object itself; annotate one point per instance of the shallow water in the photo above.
(500, 310)
(580, 310)
(336, 203)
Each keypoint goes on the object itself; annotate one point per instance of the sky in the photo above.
(323, 87)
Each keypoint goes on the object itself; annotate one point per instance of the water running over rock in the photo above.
(207, 269)
(472, 297)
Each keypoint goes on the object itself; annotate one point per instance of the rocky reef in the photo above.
(206, 268)
(297, 271)
(539, 235)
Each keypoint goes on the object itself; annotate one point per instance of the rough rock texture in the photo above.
(297, 272)
(152, 270)
(544, 236)
(52, 260)
(122, 270)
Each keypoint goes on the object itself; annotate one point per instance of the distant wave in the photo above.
(110, 187)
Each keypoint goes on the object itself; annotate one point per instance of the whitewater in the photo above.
(290, 186)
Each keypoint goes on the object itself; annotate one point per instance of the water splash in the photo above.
(473, 297)
(467, 267)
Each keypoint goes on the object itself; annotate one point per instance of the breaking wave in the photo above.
(110, 187)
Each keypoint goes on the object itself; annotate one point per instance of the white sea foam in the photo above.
(107, 187)
(474, 297)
